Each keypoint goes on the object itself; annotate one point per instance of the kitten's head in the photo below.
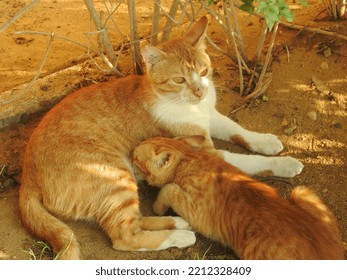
(180, 69)
(155, 160)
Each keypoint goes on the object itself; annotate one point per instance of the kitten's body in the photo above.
(77, 165)
(223, 203)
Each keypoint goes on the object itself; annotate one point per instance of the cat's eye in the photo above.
(204, 72)
(179, 80)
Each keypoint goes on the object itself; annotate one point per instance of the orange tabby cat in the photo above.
(76, 164)
(223, 203)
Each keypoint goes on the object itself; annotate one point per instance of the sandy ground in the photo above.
(311, 124)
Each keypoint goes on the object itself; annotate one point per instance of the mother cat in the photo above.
(77, 165)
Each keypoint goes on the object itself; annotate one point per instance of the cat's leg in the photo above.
(174, 197)
(286, 167)
(160, 223)
(167, 194)
(223, 128)
(119, 215)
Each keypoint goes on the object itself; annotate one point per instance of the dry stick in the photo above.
(257, 57)
(155, 25)
(56, 37)
(232, 36)
(218, 19)
(261, 87)
(184, 12)
(110, 17)
(170, 21)
(313, 30)
(238, 31)
(334, 7)
(103, 39)
(103, 57)
(216, 16)
(137, 58)
(36, 76)
(21, 12)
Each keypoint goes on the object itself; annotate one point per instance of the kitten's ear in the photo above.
(151, 55)
(197, 32)
(164, 159)
(196, 141)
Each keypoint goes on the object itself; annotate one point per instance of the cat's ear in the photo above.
(164, 159)
(151, 55)
(196, 141)
(196, 34)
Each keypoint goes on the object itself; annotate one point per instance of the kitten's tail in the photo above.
(325, 221)
(40, 223)
(309, 201)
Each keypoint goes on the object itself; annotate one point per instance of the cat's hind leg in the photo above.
(120, 217)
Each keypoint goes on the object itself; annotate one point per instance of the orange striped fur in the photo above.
(77, 166)
(223, 203)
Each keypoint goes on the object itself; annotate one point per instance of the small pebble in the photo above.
(290, 130)
(312, 115)
(325, 190)
(324, 65)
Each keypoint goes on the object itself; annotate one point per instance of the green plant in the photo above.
(39, 250)
(273, 10)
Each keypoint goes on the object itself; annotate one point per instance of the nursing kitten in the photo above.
(77, 166)
(223, 203)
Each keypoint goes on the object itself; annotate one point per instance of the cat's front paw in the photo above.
(159, 208)
(286, 167)
(179, 239)
(181, 223)
(266, 144)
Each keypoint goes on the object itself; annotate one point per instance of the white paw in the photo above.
(181, 223)
(266, 144)
(286, 167)
(179, 239)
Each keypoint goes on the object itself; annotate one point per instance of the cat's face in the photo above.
(155, 160)
(180, 70)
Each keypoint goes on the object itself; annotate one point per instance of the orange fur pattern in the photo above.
(76, 164)
(223, 203)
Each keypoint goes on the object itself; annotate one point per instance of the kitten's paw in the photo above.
(181, 223)
(179, 239)
(159, 208)
(286, 167)
(266, 144)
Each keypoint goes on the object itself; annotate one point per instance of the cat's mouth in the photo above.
(193, 99)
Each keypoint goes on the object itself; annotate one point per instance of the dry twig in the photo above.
(17, 16)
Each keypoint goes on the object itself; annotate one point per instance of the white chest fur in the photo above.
(174, 111)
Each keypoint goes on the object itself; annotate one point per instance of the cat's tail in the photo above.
(324, 221)
(309, 201)
(40, 223)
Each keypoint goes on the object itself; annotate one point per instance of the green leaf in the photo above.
(247, 8)
(287, 14)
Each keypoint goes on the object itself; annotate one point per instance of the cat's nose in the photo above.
(198, 93)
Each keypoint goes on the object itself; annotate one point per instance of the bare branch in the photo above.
(155, 25)
(137, 58)
(36, 76)
(17, 16)
(103, 39)
(170, 21)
